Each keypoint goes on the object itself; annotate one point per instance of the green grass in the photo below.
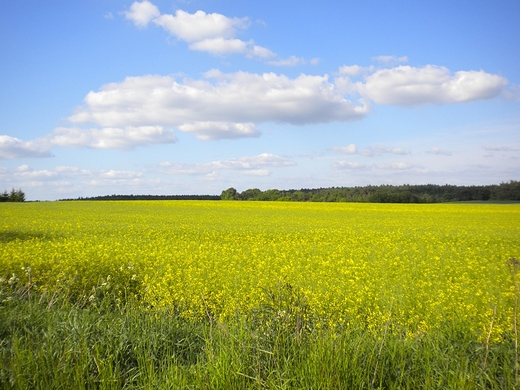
(58, 344)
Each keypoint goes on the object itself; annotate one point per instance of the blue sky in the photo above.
(192, 97)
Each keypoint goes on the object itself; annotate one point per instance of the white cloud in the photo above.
(436, 150)
(11, 147)
(378, 150)
(220, 130)
(395, 166)
(256, 172)
(499, 149)
(48, 183)
(110, 137)
(72, 181)
(368, 152)
(118, 182)
(291, 61)
(265, 159)
(251, 165)
(139, 110)
(36, 175)
(72, 171)
(260, 52)
(113, 174)
(351, 70)
(239, 98)
(348, 165)
(213, 33)
(390, 60)
(409, 86)
(221, 46)
(350, 149)
(384, 166)
(200, 25)
(141, 13)
(67, 173)
(382, 149)
(217, 74)
(212, 177)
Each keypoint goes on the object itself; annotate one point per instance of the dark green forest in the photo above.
(406, 193)
(150, 197)
(428, 193)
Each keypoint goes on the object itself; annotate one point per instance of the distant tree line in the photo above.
(150, 197)
(429, 193)
(13, 196)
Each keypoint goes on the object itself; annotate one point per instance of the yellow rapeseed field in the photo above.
(420, 265)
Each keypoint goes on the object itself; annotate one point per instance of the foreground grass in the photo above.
(53, 343)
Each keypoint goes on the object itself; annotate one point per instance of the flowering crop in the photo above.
(419, 265)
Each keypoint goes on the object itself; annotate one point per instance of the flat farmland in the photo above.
(397, 270)
(351, 261)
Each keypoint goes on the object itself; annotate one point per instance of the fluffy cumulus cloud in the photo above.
(200, 25)
(11, 147)
(410, 86)
(141, 13)
(220, 106)
(213, 33)
(142, 110)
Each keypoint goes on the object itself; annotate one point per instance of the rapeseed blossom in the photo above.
(419, 266)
